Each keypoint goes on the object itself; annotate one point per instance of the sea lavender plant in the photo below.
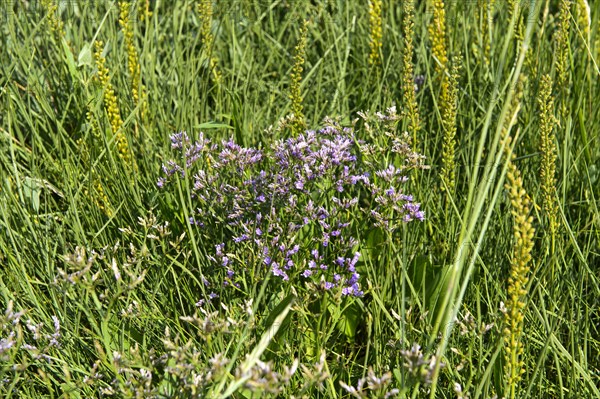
(289, 209)
(263, 379)
(419, 366)
(26, 343)
(372, 386)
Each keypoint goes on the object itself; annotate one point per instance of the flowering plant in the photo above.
(291, 209)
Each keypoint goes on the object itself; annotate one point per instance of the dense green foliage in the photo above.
(112, 284)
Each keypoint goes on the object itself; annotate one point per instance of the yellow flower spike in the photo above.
(561, 51)
(144, 10)
(449, 105)
(376, 31)
(411, 109)
(205, 9)
(111, 107)
(485, 26)
(298, 123)
(54, 23)
(101, 198)
(523, 233)
(437, 35)
(133, 63)
(548, 152)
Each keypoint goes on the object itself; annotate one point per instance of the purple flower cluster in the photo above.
(391, 202)
(191, 152)
(290, 209)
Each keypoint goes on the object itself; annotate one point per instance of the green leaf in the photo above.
(351, 317)
(374, 245)
(32, 191)
(70, 60)
(276, 312)
(213, 125)
(85, 56)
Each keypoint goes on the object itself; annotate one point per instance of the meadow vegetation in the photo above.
(336, 199)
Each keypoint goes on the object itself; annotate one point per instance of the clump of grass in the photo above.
(97, 195)
(375, 32)
(530, 56)
(298, 119)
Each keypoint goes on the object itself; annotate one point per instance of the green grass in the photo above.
(125, 288)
